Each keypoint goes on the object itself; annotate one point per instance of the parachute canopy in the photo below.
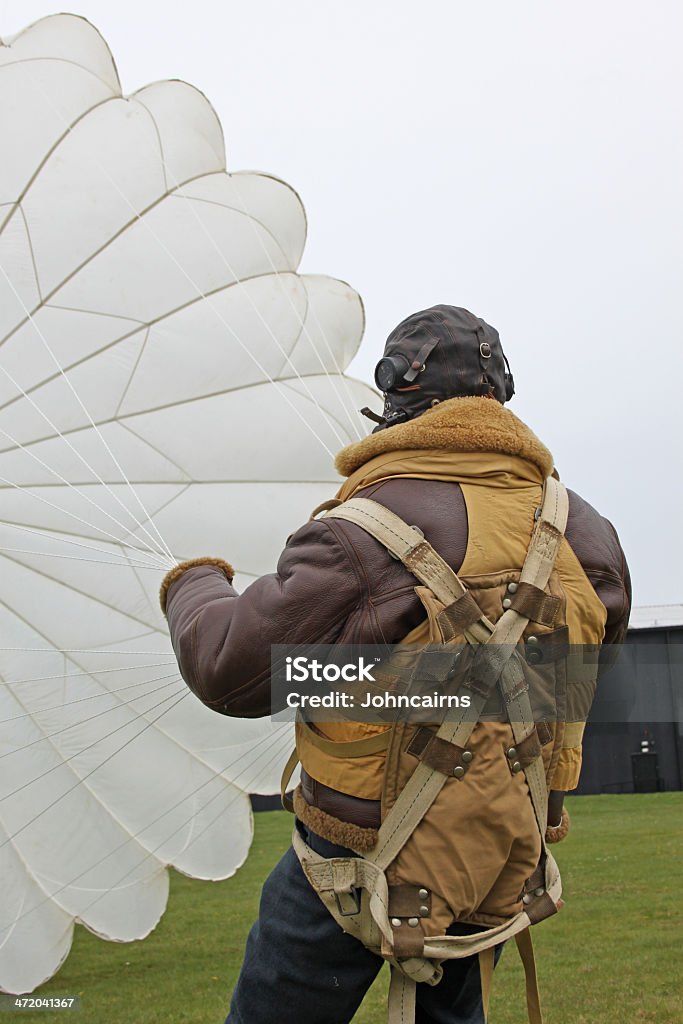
(169, 387)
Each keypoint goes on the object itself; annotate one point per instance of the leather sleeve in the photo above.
(222, 639)
(596, 544)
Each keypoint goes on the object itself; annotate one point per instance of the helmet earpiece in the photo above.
(508, 380)
(390, 371)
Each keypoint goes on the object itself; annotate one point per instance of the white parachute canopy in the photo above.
(169, 387)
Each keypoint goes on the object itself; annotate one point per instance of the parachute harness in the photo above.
(355, 890)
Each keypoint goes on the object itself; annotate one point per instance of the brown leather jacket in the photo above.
(336, 584)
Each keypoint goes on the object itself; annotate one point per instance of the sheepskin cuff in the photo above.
(555, 834)
(342, 833)
(182, 568)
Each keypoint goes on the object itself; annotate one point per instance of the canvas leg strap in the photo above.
(533, 999)
(402, 990)
(486, 960)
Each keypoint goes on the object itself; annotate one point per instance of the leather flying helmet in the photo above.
(440, 353)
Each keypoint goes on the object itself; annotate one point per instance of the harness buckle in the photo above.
(352, 894)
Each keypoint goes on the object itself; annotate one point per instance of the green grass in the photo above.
(612, 955)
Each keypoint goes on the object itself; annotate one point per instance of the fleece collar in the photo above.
(457, 425)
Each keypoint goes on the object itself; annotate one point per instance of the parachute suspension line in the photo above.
(282, 744)
(120, 551)
(84, 650)
(87, 547)
(357, 418)
(268, 737)
(172, 676)
(66, 677)
(278, 274)
(72, 515)
(79, 558)
(187, 276)
(78, 700)
(253, 305)
(82, 779)
(164, 550)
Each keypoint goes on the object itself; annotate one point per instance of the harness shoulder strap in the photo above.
(408, 544)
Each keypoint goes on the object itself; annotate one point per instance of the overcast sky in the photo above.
(524, 160)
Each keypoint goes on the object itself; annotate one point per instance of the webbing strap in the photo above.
(401, 998)
(486, 961)
(287, 772)
(533, 999)
(407, 544)
(373, 744)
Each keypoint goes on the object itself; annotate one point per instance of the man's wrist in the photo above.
(556, 833)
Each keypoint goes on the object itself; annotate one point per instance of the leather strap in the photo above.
(533, 999)
(486, 962)
(354, 809)
(535, 604)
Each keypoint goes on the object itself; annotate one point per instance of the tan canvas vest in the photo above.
(488, 780)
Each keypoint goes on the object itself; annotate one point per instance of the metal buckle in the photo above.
(354, 893)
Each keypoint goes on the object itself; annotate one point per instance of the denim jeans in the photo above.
(301, 968)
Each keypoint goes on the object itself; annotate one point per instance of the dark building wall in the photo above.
(641, 698)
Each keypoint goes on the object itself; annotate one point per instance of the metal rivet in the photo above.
(539, 892)
(532, 640)
(534, 657)
(507, 602)
(396, 922)
(512, 587)
(423, 893)
(424, 911)
(467, 756)
(516, 767)
(458, 771)
(413, 921)
(417, 530)
(526, 899)
(512, 753)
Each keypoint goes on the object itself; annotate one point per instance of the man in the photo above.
(450, 460)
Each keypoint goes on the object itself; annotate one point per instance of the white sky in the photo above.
(524, 160)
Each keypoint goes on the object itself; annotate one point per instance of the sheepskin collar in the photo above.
(457, 425)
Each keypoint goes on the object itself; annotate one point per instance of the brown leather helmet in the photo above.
(440, 353)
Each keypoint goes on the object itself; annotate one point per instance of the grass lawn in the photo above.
(614, 954)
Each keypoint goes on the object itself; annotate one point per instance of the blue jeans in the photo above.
(301, 968)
